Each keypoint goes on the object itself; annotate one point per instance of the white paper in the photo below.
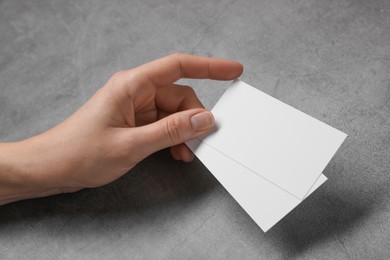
(268, 155)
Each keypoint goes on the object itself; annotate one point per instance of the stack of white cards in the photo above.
(268, 155)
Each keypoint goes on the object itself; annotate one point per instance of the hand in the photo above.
(137, 113)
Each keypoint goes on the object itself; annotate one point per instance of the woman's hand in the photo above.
(137, 113)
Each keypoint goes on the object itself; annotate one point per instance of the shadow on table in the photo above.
(326, 214)
(157, 188)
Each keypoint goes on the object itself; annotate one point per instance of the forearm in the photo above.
(13, 186)
(21, 172)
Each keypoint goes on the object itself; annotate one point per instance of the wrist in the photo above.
(25, 172)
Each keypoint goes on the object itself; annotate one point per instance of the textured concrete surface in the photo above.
(330, 59)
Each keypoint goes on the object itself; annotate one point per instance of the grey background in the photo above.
(330, 59)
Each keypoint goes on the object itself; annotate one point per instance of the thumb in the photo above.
(172, 130)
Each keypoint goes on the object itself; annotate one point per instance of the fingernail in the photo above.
(202, 121)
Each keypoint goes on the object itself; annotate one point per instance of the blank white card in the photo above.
(268, 155)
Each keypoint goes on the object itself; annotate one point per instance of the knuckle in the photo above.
(124, 76)
(177, 55)
(116, 79)
(174, 130)
(121, 80)
(117, 75)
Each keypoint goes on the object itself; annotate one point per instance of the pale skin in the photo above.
(136, 113)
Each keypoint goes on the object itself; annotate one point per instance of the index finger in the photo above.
(171, 68)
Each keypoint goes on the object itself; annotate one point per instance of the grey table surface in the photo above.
(330, 59)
